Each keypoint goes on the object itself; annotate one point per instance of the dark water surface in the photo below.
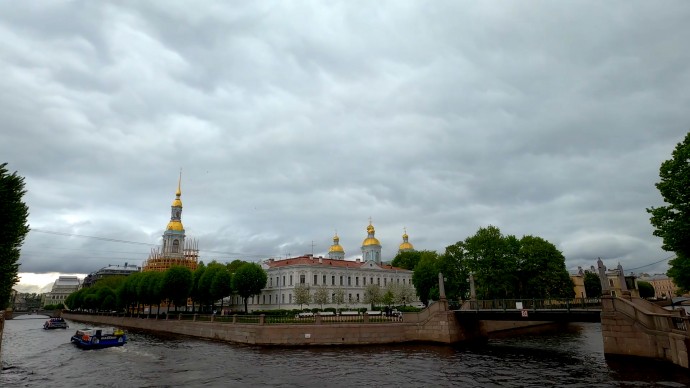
(33, 357)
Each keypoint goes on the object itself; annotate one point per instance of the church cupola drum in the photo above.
(371, 247)
(176, 249)
(406, 246)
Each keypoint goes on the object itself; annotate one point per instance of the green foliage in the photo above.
(234, 265)
(249, 279)
(198, 294)
(177, 284)
(407, 260)
(13, 230)
(646, 289)
(425, 276)
(302, 294)
(672, 222)
(502, 266)
(321, 295)
(592, 285)
(373, 294)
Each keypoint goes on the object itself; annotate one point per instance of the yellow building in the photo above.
(176, 250)
(663, 285)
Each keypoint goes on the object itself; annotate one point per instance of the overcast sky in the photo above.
(294, 120)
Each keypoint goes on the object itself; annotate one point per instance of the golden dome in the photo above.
(175, 225)
(370, 228)
(177, 202)
(370, 241)
(336, 246)
(406, 246)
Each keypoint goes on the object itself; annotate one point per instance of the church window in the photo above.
(302, 279)
(176, 246)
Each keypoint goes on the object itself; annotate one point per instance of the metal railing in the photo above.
(533, 304)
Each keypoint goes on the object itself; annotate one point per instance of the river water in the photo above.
(572, 357)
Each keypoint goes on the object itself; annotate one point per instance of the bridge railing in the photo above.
(534, 304)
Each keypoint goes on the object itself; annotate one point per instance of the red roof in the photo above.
(309, 260)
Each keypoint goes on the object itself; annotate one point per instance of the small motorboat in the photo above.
(93, 338)
(55, 323)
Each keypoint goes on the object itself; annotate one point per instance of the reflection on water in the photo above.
(572, 357)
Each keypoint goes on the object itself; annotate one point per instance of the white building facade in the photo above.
(62, 288)
(333, 275)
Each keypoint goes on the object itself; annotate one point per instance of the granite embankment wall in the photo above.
(634, 327)
(434, 324)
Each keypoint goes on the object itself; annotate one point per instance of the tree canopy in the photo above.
(646, 289)
(592, 285)
(249, 279)
(502, 266)
(13, 230)
(672, 222)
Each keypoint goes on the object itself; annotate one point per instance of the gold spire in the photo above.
(177, 202)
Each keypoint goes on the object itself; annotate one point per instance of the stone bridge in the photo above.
(33, 314)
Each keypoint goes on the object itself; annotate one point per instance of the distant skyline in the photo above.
(291, 121)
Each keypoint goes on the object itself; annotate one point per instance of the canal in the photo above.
(572, 357)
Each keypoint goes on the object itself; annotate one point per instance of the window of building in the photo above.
(349, 280)
(384, 281)
(270, 282)
(282, 298)
(349, 297)
(176, 246)
(364, 281)
(316, 279)
(277, 281)
(357, 297)
(341, 280)
(283, 280)
(264, 299)
(302, 279)
(356, 280)
(290, 298)
(332, 280)
(290, 279)
(378, 281)
(324, 280)
(270, 301)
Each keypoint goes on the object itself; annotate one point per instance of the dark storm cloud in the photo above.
(292, 121)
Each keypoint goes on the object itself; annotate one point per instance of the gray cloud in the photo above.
(292, 121)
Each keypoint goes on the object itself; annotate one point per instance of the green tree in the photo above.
(646, 289)
(302, 294)
(407, 260)
(592, 285)
(425, 277)
(338, 297)
(321, 295)
(197, 293)
(672, 222)
(249, 279)
(177, 284)
(13, 230)
(373, 295)
(221, 286)
(541, 271)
